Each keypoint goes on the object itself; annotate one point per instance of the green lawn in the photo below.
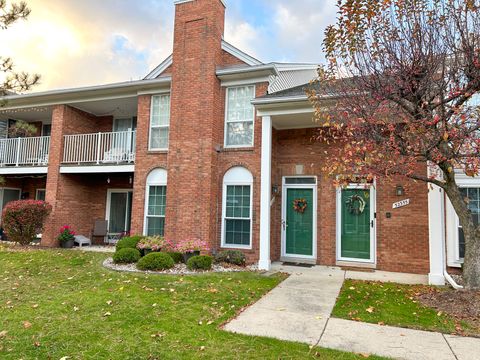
(392, 304)
(57, 304)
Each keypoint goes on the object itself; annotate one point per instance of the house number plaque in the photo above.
(401, 204)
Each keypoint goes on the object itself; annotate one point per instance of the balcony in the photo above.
(108, 151)
(28, 152)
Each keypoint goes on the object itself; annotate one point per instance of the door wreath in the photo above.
(300, 205)
(355, 205)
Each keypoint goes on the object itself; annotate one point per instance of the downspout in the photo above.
(450, 280)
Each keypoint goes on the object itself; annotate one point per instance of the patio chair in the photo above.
(115, 155)
(100, 229)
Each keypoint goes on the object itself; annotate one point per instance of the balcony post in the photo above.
(18, 152)
(99, 136)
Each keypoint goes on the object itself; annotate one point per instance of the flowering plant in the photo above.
(154, 243)
(66, 234)
(169, 246)
(191, 245)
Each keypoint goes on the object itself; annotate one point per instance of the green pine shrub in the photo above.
(234, 257)
(126, 256)
(201, 262)
(156, 261)
(129, 242)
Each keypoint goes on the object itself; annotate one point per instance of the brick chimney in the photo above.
(196, 120)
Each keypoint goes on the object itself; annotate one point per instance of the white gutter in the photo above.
(452, 282)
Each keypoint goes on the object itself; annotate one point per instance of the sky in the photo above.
(74, 43)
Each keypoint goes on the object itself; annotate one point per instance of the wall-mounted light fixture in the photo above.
(399, 190)
(275, 189)
(130, 180)
(108, 180)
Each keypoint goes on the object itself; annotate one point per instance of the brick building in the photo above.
(215, 144)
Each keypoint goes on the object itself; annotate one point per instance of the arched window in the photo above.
(155, 203)
(237, 208)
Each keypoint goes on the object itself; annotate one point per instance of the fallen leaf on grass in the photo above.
(27, 324)
(107, 314)
(202, 348)
(76, 308)
(36, 344)
(65, 358)
(3, 333)
(109, 302)
(370, 309)
(35, 306)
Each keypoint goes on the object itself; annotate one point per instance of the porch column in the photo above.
(265, 193)
(436, 233)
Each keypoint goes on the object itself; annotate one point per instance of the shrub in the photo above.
(126, 256)
(191, 245)
(154, 243)
(234, 257)
(156, 261)
(201, 262)
(129, 242)
(176, 256)
(22, 220)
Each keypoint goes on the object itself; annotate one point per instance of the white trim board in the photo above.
(373, 231)
(95, 169)
(23, 170)
(283, 228)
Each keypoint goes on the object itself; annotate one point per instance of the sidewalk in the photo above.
(299, 310)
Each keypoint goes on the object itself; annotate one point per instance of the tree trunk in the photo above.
(471, 266)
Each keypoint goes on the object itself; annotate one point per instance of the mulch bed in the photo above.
(463, 305)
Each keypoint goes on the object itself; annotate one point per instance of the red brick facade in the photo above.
(196, 163)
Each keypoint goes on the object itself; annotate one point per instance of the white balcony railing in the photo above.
(24, 151)
(100, 148)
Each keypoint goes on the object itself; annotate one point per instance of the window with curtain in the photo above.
(159, 122)
(237, 208)
(473, 196)
(239, 119)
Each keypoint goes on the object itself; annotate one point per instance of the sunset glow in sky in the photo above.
(76, 43)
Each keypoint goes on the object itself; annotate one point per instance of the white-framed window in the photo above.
(40, 194)
(237, 209)
(155, 203)
(159, 122)
(239, 116)
(470, 189)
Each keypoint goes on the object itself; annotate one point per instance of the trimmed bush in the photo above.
(129, 242)
(176, 256)
(201, 262)
(234, 257)
(156, 261)
(24, 219)
(126, 256)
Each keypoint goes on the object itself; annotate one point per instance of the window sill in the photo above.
(235, 247)
(157, 152)
(239, 149)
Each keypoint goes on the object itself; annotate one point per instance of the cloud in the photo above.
(77, 43)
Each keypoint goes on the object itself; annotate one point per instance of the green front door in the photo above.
(356, 225)
(299, 222)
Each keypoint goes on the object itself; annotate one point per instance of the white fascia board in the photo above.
(30, 170)
(239, 54)
(77, 95)
(160, 68)
(295, 67)
(94, 169)
(245, 75)
(279, 100)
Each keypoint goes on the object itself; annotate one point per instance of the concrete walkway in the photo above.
(299, 310)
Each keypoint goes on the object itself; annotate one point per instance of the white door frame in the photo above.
(109, 201)
(283, 225)
(373, 230)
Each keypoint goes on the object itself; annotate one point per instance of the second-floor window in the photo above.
(159, 122)
(239, 117)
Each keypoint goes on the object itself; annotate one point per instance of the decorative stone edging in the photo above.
(178, 269)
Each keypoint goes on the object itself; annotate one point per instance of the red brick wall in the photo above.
(75, 199)
(145, 162)
(27, 184)
(402, 241)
